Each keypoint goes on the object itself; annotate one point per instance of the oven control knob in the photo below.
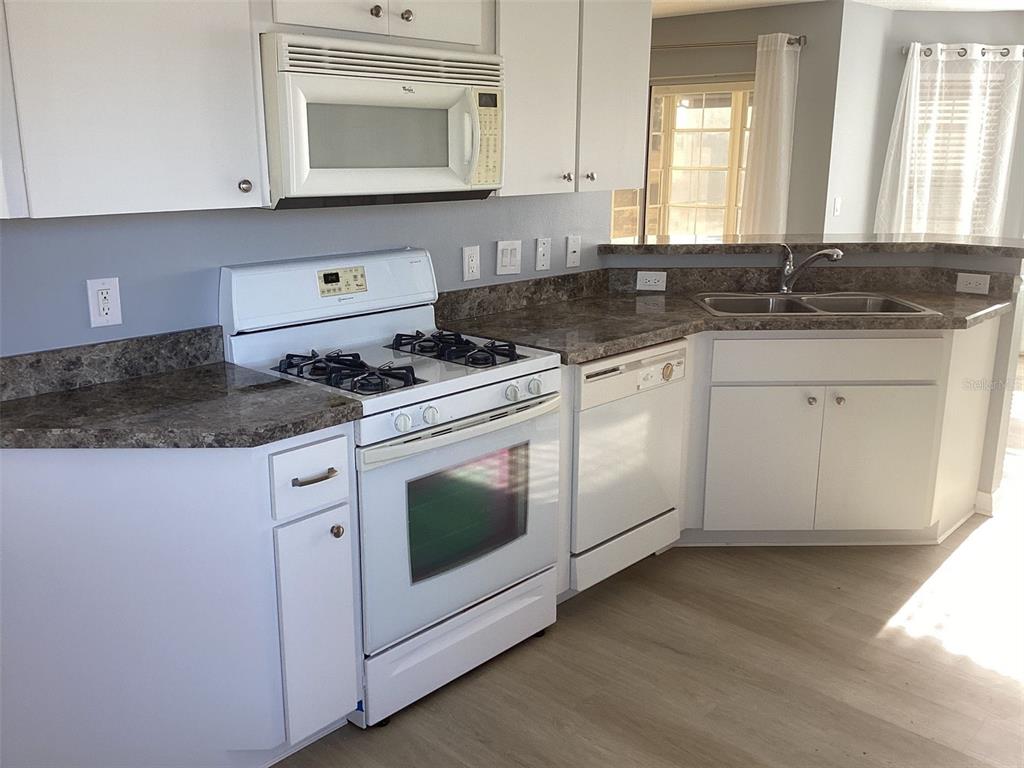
(535, 387)
(512, 392)
(431, 415)
(403, 422)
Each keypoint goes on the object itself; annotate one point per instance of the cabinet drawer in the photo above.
(794, 360)
(306, 479)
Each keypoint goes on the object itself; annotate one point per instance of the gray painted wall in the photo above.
(168, 262)
(870, 71)
(819, 63)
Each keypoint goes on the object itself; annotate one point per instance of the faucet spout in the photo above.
(789, 273)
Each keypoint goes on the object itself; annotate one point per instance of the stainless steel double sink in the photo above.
(843, 303)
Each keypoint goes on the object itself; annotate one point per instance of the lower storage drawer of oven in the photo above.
(399, 676)
(602, 561)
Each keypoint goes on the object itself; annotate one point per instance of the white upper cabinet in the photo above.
(352, 15)
(12, 180)
(615, 57)
(539, 42)
(135, 106)
(446, 21)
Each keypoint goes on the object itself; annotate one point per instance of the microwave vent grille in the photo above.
(440, 67)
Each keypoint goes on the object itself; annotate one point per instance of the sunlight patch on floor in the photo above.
(973, 603)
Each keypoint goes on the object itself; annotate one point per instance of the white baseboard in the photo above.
(693, 537)
(985, 503)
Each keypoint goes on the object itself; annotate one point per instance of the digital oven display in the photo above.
(488, 100)
(341, 281)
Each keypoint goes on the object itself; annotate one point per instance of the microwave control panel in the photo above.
(490, 109)
(341, 281)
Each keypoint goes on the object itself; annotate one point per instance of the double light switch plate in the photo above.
(510, 257)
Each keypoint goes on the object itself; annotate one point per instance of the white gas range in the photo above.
(456, 457)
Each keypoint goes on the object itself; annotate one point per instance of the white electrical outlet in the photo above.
(573, 245)
(510, 257)
(104, 301)
(650, 281)
(968, 282)
(470, 262)
(543, 253)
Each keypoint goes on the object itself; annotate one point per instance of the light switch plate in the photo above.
(470, 262)
(510, 257)
(543, 253)
(650, 281)
(969, 282)
(573, 245)
(104, 301)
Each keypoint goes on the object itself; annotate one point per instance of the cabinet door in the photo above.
(317, 605)
(350, 15)
(876, 457)
(763, 458)
(539, 41)
(12, 180)
(135, 106)
(615, 59)
(449, 21)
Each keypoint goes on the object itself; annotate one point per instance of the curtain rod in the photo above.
(961, 51)
(798, 40)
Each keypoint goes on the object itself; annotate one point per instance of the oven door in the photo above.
(455, 515)
(354, 136)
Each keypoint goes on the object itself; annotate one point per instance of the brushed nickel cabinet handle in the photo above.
(337, 531)
(591, 176)
(406, 15)
(840, 400)
(331, 472)
(377, 11)
(245, 185)
(812, 401)
(567, 176)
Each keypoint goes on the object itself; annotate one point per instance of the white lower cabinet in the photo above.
(818, 457)
(876, 457)
(317, 613)
(763, 458)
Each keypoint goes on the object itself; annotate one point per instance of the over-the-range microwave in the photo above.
(354, 122)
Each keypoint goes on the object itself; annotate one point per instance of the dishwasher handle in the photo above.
(605, 373)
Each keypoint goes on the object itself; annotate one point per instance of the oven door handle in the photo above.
(396, 450)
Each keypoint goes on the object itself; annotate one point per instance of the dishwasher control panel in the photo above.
(611, 378)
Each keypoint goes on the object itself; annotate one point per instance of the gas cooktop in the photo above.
(455, 348)
(348, 371)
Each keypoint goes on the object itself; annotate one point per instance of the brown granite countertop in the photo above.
(587, 329)
(210, 406)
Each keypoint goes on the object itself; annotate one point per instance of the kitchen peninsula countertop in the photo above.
(219, 405)
(590, 328)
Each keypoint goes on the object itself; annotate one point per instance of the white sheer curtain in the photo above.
(948, 163)
(766, 186)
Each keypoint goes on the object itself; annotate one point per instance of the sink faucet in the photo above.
(788, 273)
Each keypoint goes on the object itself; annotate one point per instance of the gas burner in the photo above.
(453, 347)
(348, 371)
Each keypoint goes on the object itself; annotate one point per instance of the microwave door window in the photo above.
(364, 136)
(462, 513)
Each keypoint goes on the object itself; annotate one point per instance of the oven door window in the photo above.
(363, 136)
(461, 513)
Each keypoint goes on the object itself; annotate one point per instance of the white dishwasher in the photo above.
(628, 426)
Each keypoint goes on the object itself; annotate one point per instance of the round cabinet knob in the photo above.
(535, 387)
(567, 176)
(812, 401)
(377, 11)
(512, 393)
(840, 400)
(591, 176)
(431, 415)
(337, 531)
(403, 422)
(406, 15)
(245, 185)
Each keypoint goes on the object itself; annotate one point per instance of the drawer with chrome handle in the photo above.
(310, 478)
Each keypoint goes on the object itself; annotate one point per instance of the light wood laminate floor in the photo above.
(749, 657)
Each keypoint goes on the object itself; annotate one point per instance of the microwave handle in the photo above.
(371, 458)
(471, 139)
